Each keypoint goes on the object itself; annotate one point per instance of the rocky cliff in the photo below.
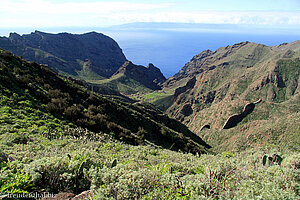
(90, 53)
(149, 76)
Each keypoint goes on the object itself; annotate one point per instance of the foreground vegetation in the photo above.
(114, 170)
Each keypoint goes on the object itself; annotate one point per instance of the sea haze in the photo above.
(170, 45)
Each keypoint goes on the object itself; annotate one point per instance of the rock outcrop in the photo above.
(189, 85)
(206, 126)
(235, 119)
(70, 196)
(149, 76)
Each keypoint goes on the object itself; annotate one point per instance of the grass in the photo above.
(155, 95)
(122, 84)
(162, 100)
(87, 74)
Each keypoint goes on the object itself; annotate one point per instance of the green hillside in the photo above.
(122, 84)
(92, 57)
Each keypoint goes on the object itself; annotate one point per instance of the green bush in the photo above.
(60, 173)
(14, 179)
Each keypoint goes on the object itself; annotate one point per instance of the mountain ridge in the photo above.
(67, 52)
(215, 86)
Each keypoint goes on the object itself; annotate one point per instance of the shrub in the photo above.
(57, 106)
(73, 112)
(60, 173)
(14, 179)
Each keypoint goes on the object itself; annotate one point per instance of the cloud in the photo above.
(43, 6)
(43, 13)
(220, 17)
(46, 13)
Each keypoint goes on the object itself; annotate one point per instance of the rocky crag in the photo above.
(149, 76)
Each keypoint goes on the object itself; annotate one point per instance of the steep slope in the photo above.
(149, 76)
(131, 79)
(214, 87)
(40, 88)
(90, 55)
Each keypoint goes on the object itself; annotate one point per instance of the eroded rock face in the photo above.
(189, 85)
(206, 126)
(66, 52)
(149, 76)
(231, 76)
(235, 119)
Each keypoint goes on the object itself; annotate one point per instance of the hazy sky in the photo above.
(99, 13)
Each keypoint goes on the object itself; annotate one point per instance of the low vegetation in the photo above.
(114, 170)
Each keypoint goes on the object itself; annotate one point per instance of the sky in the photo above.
(102, 13)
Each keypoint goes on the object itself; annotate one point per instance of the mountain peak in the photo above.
(150, 66)
(202, 55)
(37, 32)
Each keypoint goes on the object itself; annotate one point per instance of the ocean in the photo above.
(170, 50)
(169, 45)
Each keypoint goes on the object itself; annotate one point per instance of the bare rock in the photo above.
(149, 76)
(60, 196)
(189, 85)
(83, 195)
